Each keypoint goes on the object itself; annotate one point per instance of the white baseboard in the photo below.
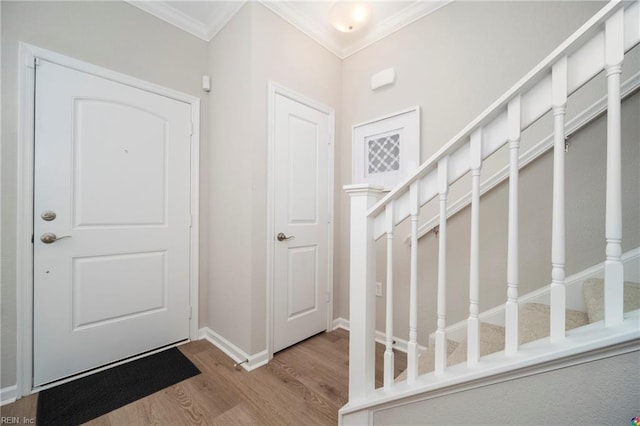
(8, 395)
(248, 362)
(398, 343)
(340, 323)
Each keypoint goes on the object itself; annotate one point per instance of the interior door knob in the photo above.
(281, 237)
(50, 237)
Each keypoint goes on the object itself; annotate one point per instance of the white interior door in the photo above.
(112, 183)
(301, 217)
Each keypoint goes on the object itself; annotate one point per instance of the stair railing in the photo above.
(600, 44)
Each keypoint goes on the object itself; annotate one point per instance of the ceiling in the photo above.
(205, 18)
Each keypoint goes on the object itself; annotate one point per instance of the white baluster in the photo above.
(511, 309)
(473, 324)
(558, 291)
(362, 306)
(614, 272)
(388, 353)
(412, 346)
(441, 335)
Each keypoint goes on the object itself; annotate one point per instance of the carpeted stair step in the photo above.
(593, 290)
(427, 360)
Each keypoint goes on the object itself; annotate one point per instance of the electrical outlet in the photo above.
(378, 289)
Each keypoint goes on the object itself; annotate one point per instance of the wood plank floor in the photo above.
(304, 384)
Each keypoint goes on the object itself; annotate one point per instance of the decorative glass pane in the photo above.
(384, 154)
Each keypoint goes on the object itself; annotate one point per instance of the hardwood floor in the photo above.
(304, 384)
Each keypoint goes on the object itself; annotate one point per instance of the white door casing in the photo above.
(301, 170)
(113, 162)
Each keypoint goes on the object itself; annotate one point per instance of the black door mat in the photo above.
(92, 396)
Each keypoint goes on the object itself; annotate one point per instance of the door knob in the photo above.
(281, 237)
(50, 237)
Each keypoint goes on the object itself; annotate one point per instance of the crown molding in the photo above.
(388, 26)
(162, 10)
(290, 14)
(327, 36)
(203, 30)
(227, 10)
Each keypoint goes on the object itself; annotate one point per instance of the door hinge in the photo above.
(36, 62)
(190, 221)
(191, 130)
(190, 312)
(328, 297)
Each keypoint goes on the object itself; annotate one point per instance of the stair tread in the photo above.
(593, 290)
(534, 324)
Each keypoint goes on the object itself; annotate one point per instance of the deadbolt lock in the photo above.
(48, 215)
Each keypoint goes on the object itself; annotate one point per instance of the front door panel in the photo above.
(113, 163)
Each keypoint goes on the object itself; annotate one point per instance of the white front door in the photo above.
(301, 219)
(112, 183)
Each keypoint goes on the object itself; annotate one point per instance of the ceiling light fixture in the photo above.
(349, 16)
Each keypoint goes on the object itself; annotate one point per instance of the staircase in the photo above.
(533, 325)
(530, 336)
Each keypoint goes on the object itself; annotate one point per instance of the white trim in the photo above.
(590, 113)
(340, 323)
(248, 362)
(24, 226)
(409, 121)
(194, 255)
(224, 12)
(273, 89)
(8, 395)
(24, 253)
(398, 343)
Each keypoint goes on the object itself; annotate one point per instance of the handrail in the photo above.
(571, 45)
(629, 88)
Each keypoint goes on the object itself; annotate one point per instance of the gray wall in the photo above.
(114, 35)
(229, 301)
(256, 46)
(603, 392)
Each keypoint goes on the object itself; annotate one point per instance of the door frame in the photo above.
(28, 54)
(273, 90)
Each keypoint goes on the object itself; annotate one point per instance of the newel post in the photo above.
(362, 305)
